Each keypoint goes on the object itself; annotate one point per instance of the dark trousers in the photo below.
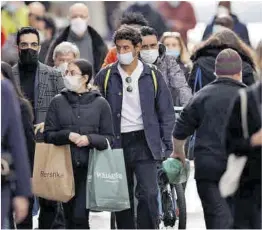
(217, 212)
(50, 215)
(28, 221)
(139, 162)
(248, 207)
(75, 212)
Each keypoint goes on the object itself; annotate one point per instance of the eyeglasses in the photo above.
(129, 88)
(25, 45)
(172, 34)
(72, 73)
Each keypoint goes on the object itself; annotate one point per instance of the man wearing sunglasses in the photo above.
(39, 83)
(143, 116)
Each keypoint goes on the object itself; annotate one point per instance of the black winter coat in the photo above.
(87, 114)
(205, 59)
(206, 113)
(99, 47)
(235, 142)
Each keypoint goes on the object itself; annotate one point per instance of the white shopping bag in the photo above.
(229, 182)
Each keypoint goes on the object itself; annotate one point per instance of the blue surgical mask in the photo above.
(173, 52)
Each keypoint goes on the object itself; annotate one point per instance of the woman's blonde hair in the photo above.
(184, 54)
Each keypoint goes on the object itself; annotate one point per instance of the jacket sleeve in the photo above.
(207, 32)
(234, 141)
(188, 120)
(106, 131)
(29, 132)
(59, 81)
(16, 142)
(178, 82)
(53, 133)
(165, 112)
(99, 81)
(244, 35)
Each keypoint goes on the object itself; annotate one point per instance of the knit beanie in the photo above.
(228, 62)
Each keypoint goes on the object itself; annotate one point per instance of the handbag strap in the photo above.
(198, 80)
(243, 101)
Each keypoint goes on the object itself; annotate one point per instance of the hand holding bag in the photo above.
(229, 182)
(107, 188)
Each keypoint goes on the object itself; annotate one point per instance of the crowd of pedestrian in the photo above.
(68, 88)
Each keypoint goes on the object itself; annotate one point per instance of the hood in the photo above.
(214, 50)
(86, 97)
(162, 50)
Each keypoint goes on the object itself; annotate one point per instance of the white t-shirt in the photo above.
(131, 116)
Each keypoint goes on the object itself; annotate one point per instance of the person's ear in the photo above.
(138, 47)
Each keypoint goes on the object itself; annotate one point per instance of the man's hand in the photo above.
(74, 137)
(39, 127)
(20, 205)
(82, 141)
(256, 139)
(179, 156)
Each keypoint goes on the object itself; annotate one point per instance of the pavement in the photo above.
(195, 218)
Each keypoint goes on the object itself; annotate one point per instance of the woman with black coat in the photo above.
(205, 56)
(27, 121)
(81, 117)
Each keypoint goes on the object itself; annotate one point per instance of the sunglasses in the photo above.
(129, 88)
(172, 34)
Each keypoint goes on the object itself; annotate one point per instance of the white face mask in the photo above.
(73, 83)
(149, 56)
(62, 68)
(78, 25)
(125, 59)
(221, 10)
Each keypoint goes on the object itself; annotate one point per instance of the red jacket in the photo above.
(111, 57)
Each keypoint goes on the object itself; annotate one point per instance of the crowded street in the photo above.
(131, 114)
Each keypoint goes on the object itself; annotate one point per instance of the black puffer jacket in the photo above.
(205, 59)
(87, 114)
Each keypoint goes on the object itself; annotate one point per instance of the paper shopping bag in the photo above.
(53, 177)
(107, 188)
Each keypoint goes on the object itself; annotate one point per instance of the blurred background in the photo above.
(104, 17)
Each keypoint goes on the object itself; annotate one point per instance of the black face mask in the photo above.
(28, 56)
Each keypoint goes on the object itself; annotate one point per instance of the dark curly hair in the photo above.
(128, 33)
(146, 30)
(133, 18)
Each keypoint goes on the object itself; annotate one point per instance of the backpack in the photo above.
(152, 72)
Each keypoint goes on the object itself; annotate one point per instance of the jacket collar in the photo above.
(230, 81)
